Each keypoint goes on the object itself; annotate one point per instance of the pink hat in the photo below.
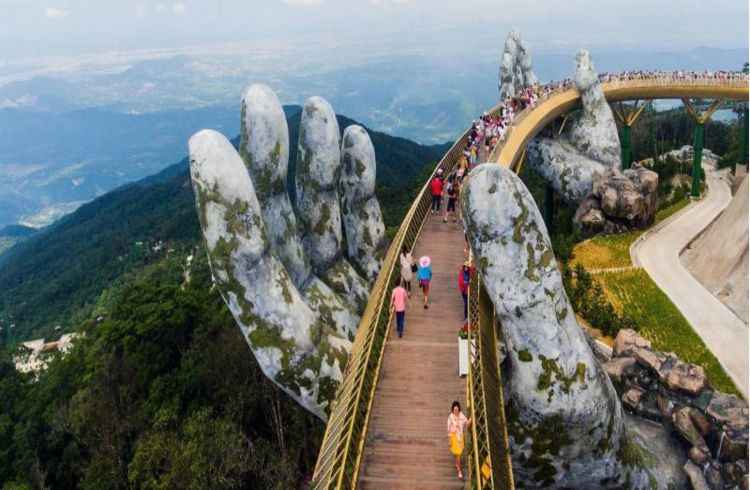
(424, 261)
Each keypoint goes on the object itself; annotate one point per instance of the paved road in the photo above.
(658, 253)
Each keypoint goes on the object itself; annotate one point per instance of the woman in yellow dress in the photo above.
(457, 424)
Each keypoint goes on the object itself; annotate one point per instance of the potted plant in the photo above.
(463, 350)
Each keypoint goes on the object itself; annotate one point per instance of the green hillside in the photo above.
(58, 276)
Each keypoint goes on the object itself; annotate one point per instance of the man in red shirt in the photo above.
(436, 189)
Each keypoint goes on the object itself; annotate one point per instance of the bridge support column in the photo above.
(698, 133)
(627, 116)
(549, 208)
(698, 136)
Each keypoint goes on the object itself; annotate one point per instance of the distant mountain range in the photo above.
(58, 275)
(67, 137)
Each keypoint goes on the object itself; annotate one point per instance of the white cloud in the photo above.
(55, 13)
(178, 8)
(160, 7)
(303, 3)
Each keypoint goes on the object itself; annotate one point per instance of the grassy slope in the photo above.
(608, 251)
(661, 322)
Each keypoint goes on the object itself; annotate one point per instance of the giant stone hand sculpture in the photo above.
(590, 146)
(288, 284)
(515, 66)
(565, 421)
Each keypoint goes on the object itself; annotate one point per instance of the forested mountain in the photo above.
(58, 276)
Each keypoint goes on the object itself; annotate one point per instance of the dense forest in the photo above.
(162, 393)
(58, 276)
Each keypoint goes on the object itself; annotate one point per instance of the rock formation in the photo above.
(714, 425)
(590, 145)
(283, 275)
(515, 66)
(317, 185)
(360, 210)
(565, 420)
(619, 201)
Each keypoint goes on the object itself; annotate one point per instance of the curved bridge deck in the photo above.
(406, 445)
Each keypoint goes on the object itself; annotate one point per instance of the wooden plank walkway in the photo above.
(407, 446)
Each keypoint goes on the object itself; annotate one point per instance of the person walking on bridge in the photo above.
(408, 268)
(436, 190)
(424, 275)
(464, 278)
(399, 300)
(457, 424)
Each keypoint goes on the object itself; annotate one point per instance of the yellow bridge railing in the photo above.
(340, 455)
(488, 454)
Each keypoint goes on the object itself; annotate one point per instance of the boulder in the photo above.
(627, 339)
(665, 405)
(730, 414)
(632, 398)
(649, 359)
(695, 474)
(685, 427)
(713, 476)
(698, 456)
(688, 378)
(617, 367)
(626, 198)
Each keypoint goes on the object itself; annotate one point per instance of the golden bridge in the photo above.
(386, 427)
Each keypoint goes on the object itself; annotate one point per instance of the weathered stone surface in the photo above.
(296, 298)
(698, 456)
(700, 422)
(685, 427)
(713, 476)
(731, 416)
(627, 339)
(515, 66)
(589, 147)
(688, 378)
(632, 397)
(565, 415)
(360, 210)
(695, 474)
(665, 405)
(594, 134)
(264, 147)
(304, 356)
(317, 182)
(648, 358)
(617, 367)
(626, 198)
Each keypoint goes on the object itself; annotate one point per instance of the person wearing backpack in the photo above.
(464, 279)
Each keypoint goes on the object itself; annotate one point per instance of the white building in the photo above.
(34, 360)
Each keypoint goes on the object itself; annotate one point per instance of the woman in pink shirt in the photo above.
(399, 298)
(457, 424)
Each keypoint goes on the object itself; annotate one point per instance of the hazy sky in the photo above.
(37, 28)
